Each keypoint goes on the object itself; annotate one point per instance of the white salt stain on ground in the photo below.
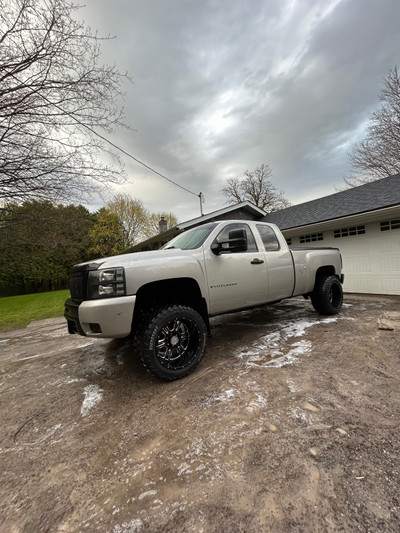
(300, 348)
(42, 438)
(69, 381)
(56, 333)
(227, 395)
(147, 493)
(93, 395)
(49, 433)
(297, 328)
(31, 357)
(223, 396)
(84, 345)
(292, 386)
(129, 527)
(260, 400)
(274, 346)
(304, 416)
(62, 349)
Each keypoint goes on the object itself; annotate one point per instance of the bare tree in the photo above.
(256, 187)
(137, 221)
(378, 155)
(54, 98)
(152, 226)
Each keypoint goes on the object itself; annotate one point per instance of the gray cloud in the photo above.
(222, 86)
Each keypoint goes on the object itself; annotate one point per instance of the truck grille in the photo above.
(77, 285)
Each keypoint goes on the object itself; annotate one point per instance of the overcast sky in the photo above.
(222, 86)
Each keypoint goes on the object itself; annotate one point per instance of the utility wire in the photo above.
(134, 158)
(200, 195)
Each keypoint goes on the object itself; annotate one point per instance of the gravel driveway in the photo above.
(291, 423)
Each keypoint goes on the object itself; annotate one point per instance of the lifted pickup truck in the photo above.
(164, 298)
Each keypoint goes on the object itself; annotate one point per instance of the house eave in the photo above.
(349, 220)
(255, 211)
(248, 206)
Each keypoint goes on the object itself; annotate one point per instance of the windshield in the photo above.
(189, 240)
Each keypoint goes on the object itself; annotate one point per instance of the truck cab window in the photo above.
(269, 239)
(251, 242)
(189, 240)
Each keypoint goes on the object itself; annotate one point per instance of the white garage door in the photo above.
(371, 256)
(371, 261)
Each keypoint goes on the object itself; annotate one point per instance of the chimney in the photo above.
(163, 225)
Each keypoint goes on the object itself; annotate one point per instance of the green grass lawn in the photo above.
(18, 311)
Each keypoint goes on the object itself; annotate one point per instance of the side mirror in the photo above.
(237, 242)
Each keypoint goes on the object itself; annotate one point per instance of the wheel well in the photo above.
(184, 291)
(328, 270)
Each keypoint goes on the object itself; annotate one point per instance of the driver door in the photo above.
(236, 279)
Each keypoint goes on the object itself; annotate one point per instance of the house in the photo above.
(363, 222)
(240, 211)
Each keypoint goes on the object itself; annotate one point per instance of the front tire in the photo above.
(327, 296)
(173, 342)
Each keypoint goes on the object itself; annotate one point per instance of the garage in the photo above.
(371, 260)
(363, 222)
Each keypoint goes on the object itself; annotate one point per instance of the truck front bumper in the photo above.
(108, 318)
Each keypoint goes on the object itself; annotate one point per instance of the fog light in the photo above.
(95, 328)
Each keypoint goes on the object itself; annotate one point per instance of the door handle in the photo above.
(257, 261)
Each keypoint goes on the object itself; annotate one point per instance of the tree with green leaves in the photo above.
(107, 234)
(256, 187)
(39, 242)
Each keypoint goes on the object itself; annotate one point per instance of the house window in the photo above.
(289, 241)
(312, 237)
(390, 224)
(348, 232)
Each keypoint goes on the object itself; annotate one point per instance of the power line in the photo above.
(135, 158)
(200, 195)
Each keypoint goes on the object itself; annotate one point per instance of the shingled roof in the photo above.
(369, 197)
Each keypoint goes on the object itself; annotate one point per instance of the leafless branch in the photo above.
(378, 154)
(54, 96)
(256, 187)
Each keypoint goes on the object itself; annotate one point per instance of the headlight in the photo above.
(106, 283)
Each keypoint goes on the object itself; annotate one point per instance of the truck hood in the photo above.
(132, 259)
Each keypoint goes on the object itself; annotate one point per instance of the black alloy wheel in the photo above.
(173, 342)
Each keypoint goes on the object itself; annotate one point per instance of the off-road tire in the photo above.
(327, 296)
(172, 343)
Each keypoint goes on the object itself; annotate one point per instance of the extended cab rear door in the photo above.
(279, 263)
(236, 279)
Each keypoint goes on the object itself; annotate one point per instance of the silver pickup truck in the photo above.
(164, 298)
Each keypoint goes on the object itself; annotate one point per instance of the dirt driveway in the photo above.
(291, 423)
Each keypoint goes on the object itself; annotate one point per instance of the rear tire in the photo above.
(173, 342)
(327, 296)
